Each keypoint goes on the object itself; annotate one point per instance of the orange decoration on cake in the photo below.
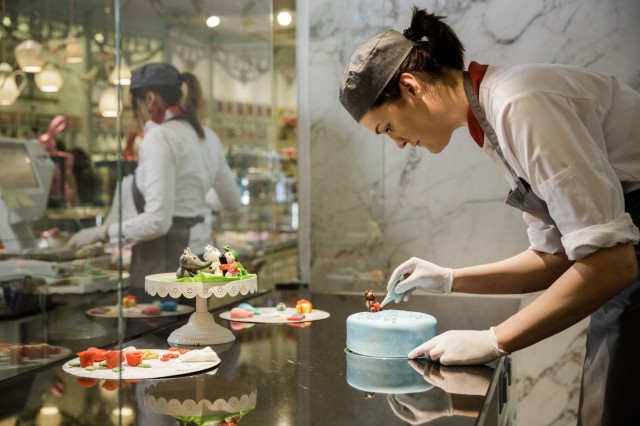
(303, 306)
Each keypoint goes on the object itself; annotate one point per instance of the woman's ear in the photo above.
(150, 99)
(410, 85)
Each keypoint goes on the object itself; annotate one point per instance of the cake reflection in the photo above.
(384, 375)
(203, 399)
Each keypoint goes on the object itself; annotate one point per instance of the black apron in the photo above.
(158, 255)
(611, 372)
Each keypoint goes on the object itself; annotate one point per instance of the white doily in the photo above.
(157, 284)
(190, 407)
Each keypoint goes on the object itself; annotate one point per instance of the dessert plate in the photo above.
(273, 316)
(155, 368)
(136, 312)
(22, 358)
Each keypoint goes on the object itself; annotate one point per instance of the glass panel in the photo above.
(70, 146)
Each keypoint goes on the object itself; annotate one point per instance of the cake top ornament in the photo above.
(230, 265)
(212, 266)
(371, 303)
(190, 264)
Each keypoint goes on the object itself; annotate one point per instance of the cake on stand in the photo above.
(201, 329)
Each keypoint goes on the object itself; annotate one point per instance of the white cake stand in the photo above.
(201, 329)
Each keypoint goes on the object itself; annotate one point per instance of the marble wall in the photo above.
(367, 206)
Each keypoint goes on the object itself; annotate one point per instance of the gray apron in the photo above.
(610, 376)
(521, 196)
(158, 255)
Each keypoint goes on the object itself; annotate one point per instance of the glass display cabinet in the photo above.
(69, 138)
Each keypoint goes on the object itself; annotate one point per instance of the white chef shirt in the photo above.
(175, 171)
(574, 136)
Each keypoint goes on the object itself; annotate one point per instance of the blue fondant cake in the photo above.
(389, 333)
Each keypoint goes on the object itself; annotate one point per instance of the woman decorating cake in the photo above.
(180, 160)
(567, 139)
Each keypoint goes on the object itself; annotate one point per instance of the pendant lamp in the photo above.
(30, 56)
(49, 79)
(72, 47)
(125, 74)
(72, 51)
(108, 103)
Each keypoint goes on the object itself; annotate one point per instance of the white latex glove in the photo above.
(87, 236)
(422, 407)
(459, 380)
(419, 274)
(461, 347)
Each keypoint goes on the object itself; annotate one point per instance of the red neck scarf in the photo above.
(476, 72)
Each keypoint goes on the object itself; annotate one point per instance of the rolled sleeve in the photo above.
(585, 241)
(543, 237)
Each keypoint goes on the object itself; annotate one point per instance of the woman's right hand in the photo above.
(86, 236)
(422, 407)
(418, 273)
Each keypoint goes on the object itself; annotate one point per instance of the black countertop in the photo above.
(295, 375)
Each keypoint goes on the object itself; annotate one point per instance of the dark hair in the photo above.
(431, 59)
(193, 103)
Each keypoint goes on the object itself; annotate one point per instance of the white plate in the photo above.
(136, 312)
(273, 316)
(5, 360)
(173, 367)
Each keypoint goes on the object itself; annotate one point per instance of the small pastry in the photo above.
(303, 306)
(152, 310)
(240, 313)
(129, 301)
(248, 307)
(169, 306)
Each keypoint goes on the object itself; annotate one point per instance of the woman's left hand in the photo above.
(461, 347)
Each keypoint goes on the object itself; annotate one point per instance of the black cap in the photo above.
(155, 74)
(369, 69)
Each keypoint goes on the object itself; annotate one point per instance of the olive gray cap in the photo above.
(155, 74)
(369, 69)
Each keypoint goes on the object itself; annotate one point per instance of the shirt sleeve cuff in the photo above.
(542, 236)
(581, 243)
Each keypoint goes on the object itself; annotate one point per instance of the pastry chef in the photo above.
(568, 141)
(179, 161)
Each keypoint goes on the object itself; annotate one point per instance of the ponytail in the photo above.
(193, 103)
(442, 43)
(431, 59)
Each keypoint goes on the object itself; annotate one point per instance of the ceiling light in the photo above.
(30, 56)
(108, 103)
(125, 74)
(284, 18)
(213, 21)
(72, 51)
(49, 79)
